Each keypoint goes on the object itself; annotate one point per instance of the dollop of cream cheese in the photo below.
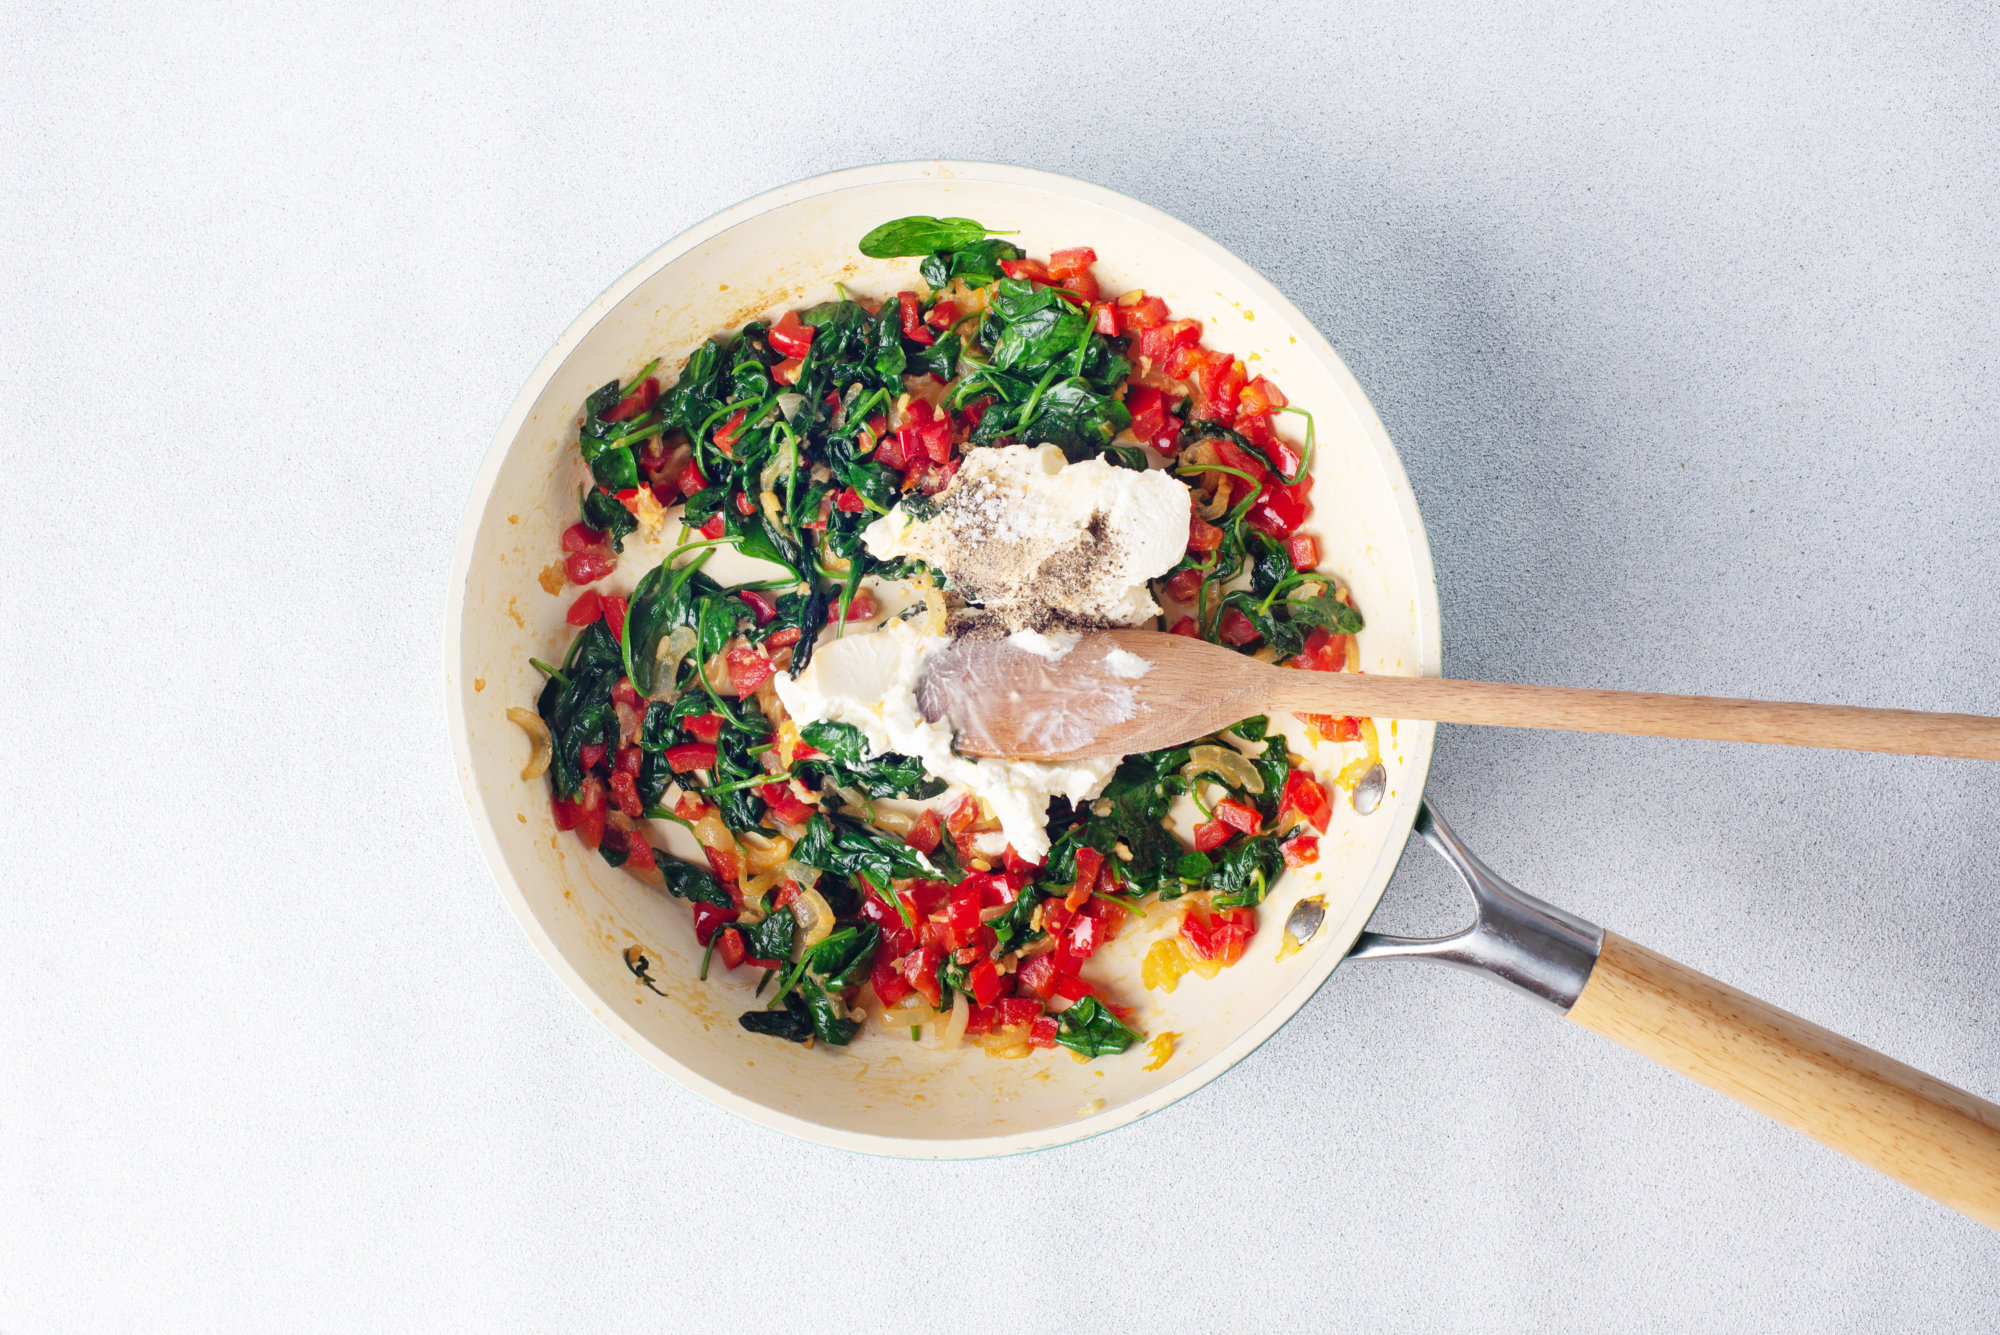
(870, 682)
(1026, 534)
(1039, 543)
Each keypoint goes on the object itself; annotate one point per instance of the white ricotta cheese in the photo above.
(1037, 541)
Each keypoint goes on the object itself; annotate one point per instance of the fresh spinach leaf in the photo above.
(919, 235)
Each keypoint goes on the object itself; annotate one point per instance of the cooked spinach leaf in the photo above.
(1089, 1028)
(848, 762)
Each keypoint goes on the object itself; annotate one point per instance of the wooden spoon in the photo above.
(1120, 692)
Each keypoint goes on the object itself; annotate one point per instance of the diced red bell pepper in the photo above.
(590, 756)
(725, 435)
(898, 937)
(913, 320)
(587, 567)
(586, 609)
(725, 863)
(1080, 940)
(1303, 548)
(782, 639)
(732, 948)
(786, 804)
(887, 980)
(1203, 537)
(691, 756)
(1324, 652)
(1219, 385)
(787, 892)
(708, 920)
(863, 606)
(1236, 629)
(1229, 452)
(1305, 795)
(584, 813)
(893, 452)
(1014, 862)
(849, 502)
(1038, 975)
(1185, 626)
(749, 668)
(704, 727)
(744, 505)
(1138, 312)
(942, 315)
(1211, 835)
(938, 476)
(1028, 271)
(1238, 816)
(1089, 863)
(1220, 936)
(581, 538)
(614, 615)
(625, 792)
(1071, 261)
(1347, 730)
(927, 897)
(1012, 1011)
(963, 914)
(926, 834)
(1279, 510)
(920, 968)
(786, 372)
(1069, 987)
(760, 607)
(624, 693)
(712, 530)
(1042, 1034)
(1300, 850)
(690, 480)
(1103, 320)
(987, 982)
(791, 336)
(1185, 584)
(1161, 342)
(1260, 396)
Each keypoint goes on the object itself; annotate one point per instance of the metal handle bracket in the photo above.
(1514, 937)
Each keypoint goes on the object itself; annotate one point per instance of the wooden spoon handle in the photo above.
(1926, 1134)
(1640, 713)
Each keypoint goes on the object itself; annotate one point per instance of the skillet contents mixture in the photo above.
(1004, 450)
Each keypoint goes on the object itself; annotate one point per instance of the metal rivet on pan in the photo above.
(1304, 923)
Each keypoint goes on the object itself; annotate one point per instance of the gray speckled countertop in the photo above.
(1684, 321)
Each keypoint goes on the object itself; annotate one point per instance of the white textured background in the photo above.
(1685, 321)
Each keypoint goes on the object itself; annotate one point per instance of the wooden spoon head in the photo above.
(1117, 693)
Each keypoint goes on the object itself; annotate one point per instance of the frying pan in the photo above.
(628, 952)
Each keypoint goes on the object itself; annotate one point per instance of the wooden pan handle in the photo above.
(1924, 1133)
(1639, 713)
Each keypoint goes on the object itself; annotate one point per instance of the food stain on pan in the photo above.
(479, 683)
(552, 579)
